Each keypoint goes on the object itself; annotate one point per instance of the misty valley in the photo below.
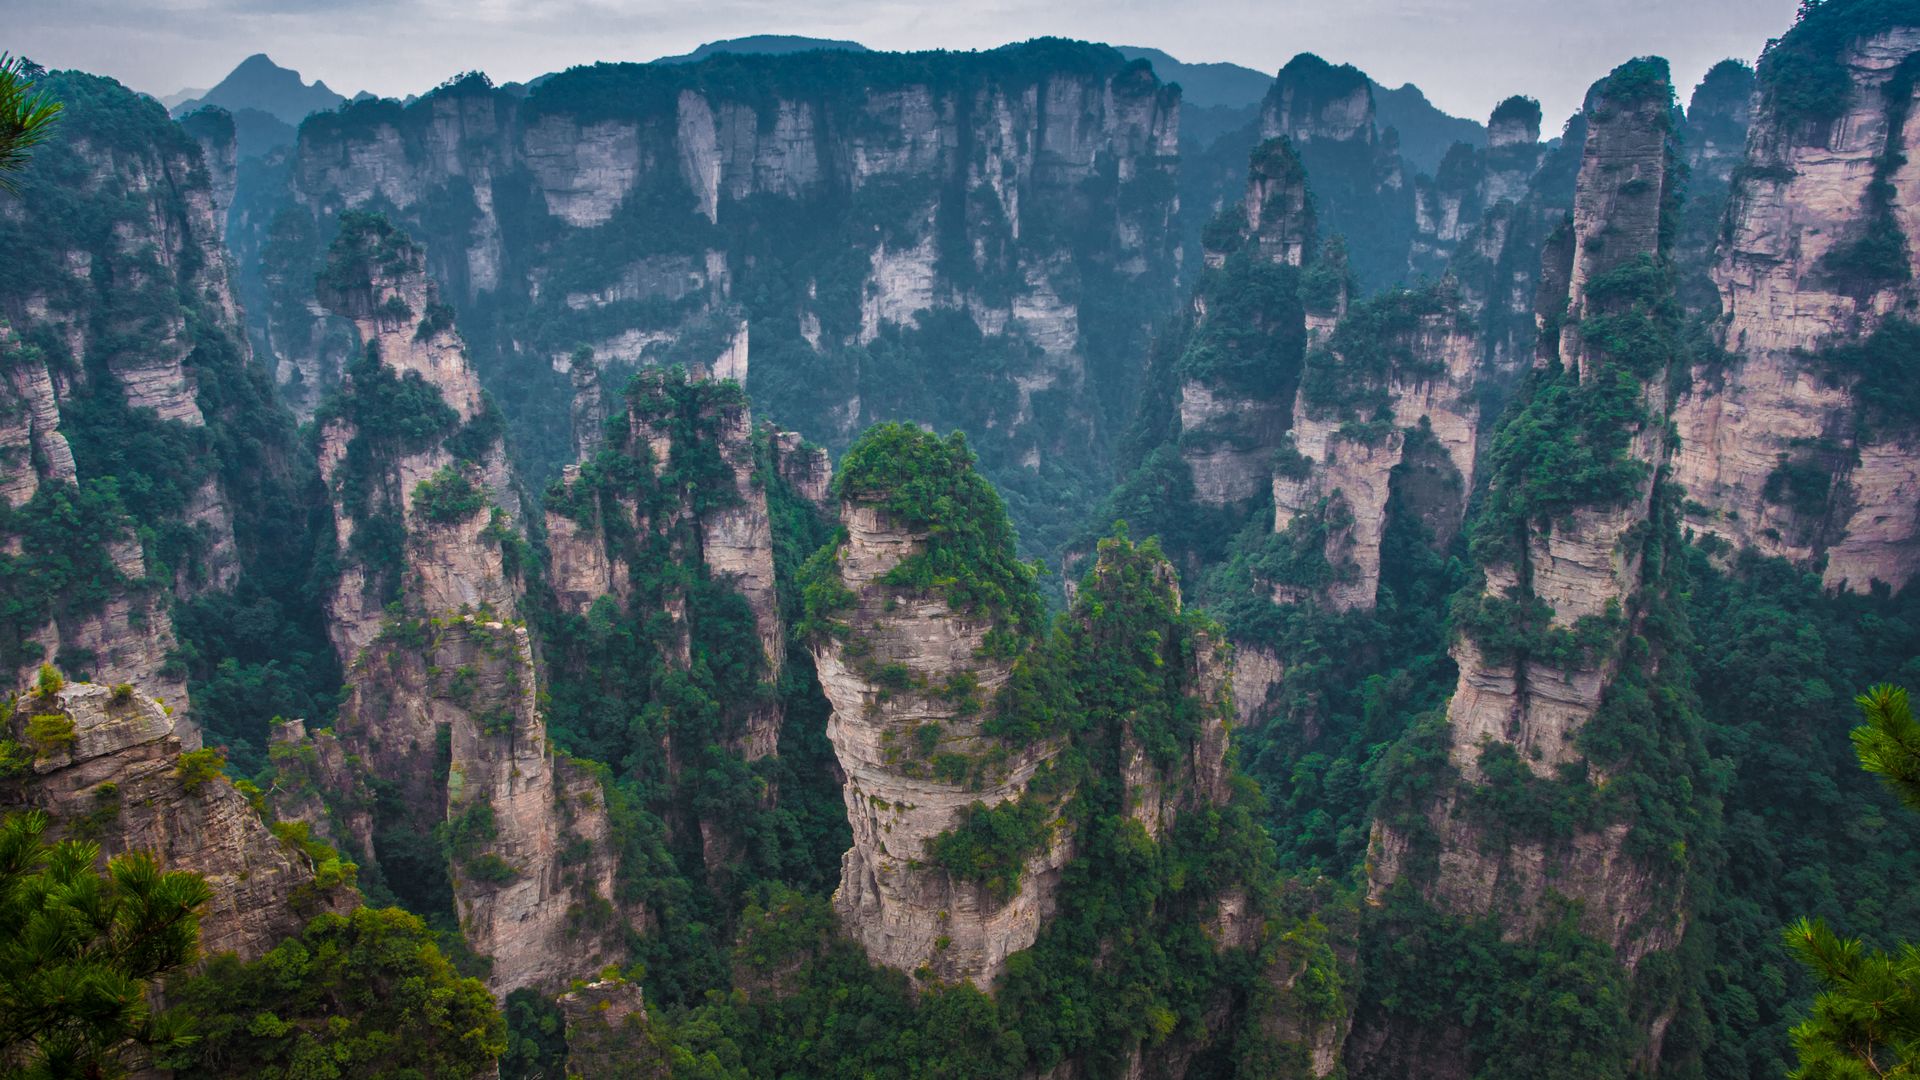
(1051, 562)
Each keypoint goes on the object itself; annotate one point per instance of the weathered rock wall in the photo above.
(907, 914)
(1774, 405)
(118, 781)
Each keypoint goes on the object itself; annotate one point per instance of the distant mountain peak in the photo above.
(259, 84)
(764, 44)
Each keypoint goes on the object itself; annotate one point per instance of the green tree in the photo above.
(1866, 1022)
(78, 949)
(360, 995)
(26, 118)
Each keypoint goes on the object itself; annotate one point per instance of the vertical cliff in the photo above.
(466, 808)
(684, 485)
(1789, 444)
(969, 240)
(117, 767)
(124, 359)
(1399, 369)
(911, 662)
(1241, 361)
(1563, 653)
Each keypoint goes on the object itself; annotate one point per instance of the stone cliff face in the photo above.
(1776, 452)
(407, 336)
(601, 547)
(907, 914)
(1582, 572)
(443, 697)
(116, 776)
(128, 313)
(1228, 433)
(1343, 476)
(970, 190)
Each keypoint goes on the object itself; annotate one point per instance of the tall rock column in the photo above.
(1396, 378)
(443, 703)
(910, 666)
(1782, 447)
(1561, 630)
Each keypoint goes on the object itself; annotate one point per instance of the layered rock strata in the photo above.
(443, 686)
(907, 914)
(1775, 450)
(1586, 569)
(117, 774)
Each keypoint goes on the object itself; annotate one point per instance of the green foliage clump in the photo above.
(927, 484)
(196, 767)
(365, 994)
(991, 844)
(1253, 338)
(1885, 373)
(50, 734)
(1801, 485)
(1866, 1020)
(367, 245)
(1374, 342)
(1802, 74)
(1565, 447)
(1556, 1004)
(80, 948)
(448, 497)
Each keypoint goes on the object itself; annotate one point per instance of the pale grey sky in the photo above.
(1466, 54)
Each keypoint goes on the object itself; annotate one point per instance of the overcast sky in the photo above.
(1466, 54)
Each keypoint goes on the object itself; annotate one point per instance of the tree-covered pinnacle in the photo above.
(928, 484)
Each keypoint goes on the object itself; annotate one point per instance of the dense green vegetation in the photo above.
(926, 484)
(364, 995)
(1866, 1020)
(79, 948)
(253, 650)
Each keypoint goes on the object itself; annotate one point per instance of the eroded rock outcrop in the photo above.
(112, 765)
(1780, 450)
(907, 681)
(443, 685)
(1400, 367)
(113, 326)
(1568, 579)
(705, 506)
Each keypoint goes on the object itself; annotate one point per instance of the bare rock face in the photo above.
(117, 777)
(1342, 478)
(1585, 567)
(909, 915)
(807, 469)
(969, 141)
(452, 677)
(1777, 411)
(126, 635)
(533, 852)
(135, 306)
(1279, 211)
(1313, 101)
(1233, 465)
(455, 559)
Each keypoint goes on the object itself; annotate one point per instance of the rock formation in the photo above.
(1780, 450)
(443, 686)
(1572, 574)
(910, 664)
(117, 321)
(961, 183)
(1403, 366)
(114, 766)
(600, 541)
